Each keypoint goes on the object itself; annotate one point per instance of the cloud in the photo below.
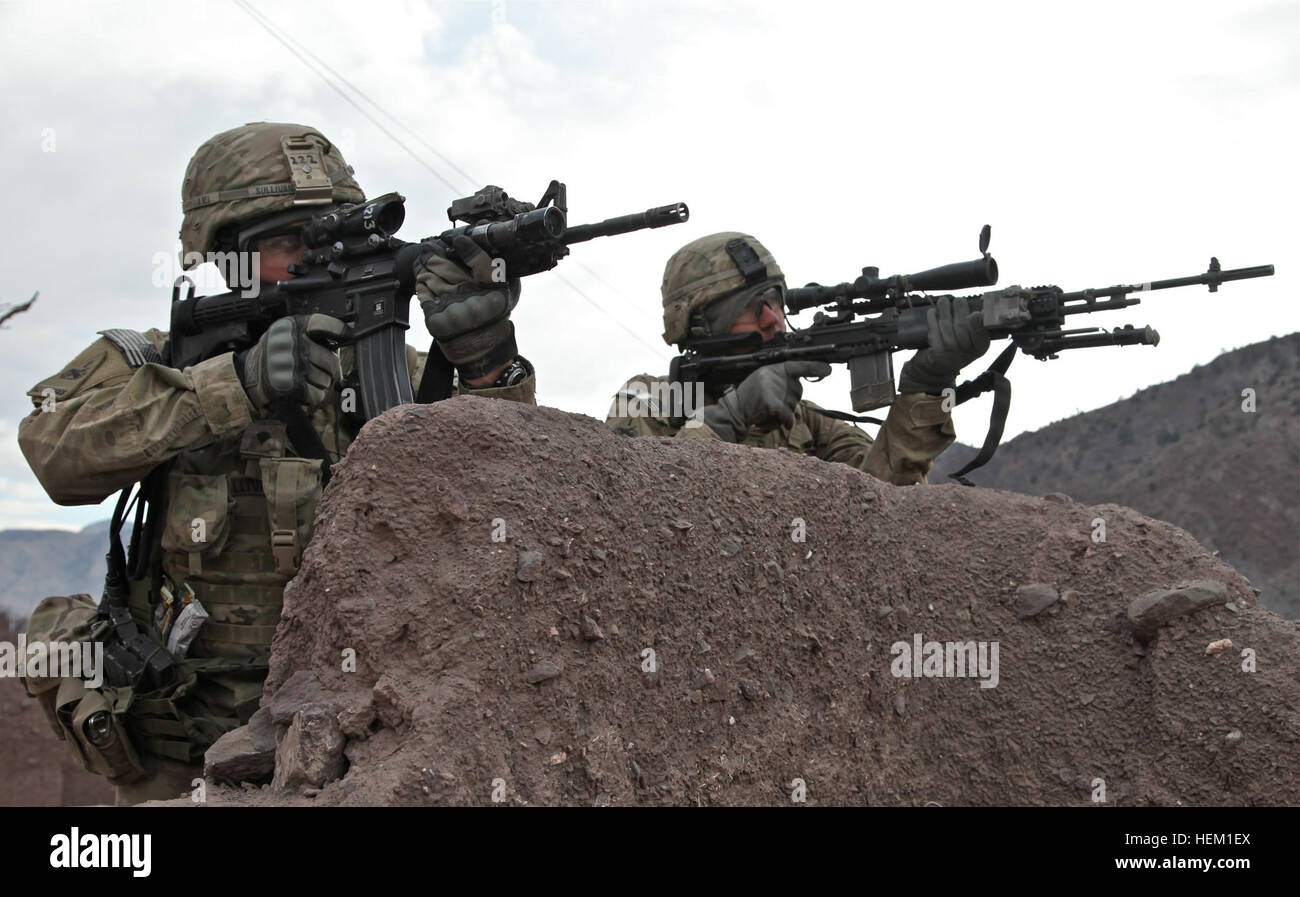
(1104, 144)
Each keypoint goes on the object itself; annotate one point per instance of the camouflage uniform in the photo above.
(916, 431)
(110, 418)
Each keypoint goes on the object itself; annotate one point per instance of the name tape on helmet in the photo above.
(311, 184)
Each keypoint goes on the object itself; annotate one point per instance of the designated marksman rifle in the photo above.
(1033, 319)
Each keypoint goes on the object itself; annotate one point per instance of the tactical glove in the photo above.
(467, 307)
(290, 363)
(768, 395)
(956, 336)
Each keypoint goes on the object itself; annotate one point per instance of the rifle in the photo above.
(1032, 319)
(355, 270)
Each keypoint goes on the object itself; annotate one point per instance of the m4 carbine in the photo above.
(1033, 319)
(355, 270)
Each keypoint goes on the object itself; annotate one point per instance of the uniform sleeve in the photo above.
(638, 410)
(916, 431)
(836, 440)
(524, 391)
(99, 425)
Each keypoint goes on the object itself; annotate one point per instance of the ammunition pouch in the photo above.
(117, 730)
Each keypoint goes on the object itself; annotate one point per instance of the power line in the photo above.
(274, 31)
(258, 18)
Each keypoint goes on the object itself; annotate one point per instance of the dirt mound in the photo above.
(541, 612)
(36, 769)
(1188, 452)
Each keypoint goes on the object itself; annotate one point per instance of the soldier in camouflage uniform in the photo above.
(730, 283)
(236, 496)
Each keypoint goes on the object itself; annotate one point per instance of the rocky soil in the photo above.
(510, 604)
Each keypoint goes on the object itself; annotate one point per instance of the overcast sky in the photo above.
(1104, 142)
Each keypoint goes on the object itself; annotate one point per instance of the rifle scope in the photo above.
(383, 216)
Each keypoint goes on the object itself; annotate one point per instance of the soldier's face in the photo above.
(276, 254)
(763, 314)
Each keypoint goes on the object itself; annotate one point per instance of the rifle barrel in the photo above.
(1212, 277)
(660, 216)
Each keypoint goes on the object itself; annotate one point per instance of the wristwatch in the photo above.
(514, 373)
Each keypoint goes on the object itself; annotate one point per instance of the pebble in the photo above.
(591, 630)
(529, 563)
(542, 671)
(1034, 598)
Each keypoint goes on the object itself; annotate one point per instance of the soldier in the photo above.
(204, 441)
(729, 283)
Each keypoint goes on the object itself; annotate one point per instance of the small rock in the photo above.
(751, 689)
(1148, 612)
(1034, 598)
(900, 703)
(300, 689)
(1233, 738)
(394, 705)
(730, 546)
(557, 759)
(355, 721)
(590, 630)
(541, 671)
(529, 566)
(311, 753)
(1218, 647)
(246, 754)
(1058, 497)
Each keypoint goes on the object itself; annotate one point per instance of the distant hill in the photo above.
(39, 562)
(1185, 452)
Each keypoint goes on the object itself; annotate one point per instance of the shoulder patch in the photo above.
(134, 346)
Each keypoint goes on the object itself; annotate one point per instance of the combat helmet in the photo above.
(727, 267)
(259, 173)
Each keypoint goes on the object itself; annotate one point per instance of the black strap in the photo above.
(306, 441)
(844, 415)
(131, 658)
(435, 382)
(995, 379)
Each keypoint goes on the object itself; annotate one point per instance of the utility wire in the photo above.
(302, 55)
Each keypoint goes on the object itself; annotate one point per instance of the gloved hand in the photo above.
(770, 394)
(466, 311)
(290, 362)
(957, 337)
